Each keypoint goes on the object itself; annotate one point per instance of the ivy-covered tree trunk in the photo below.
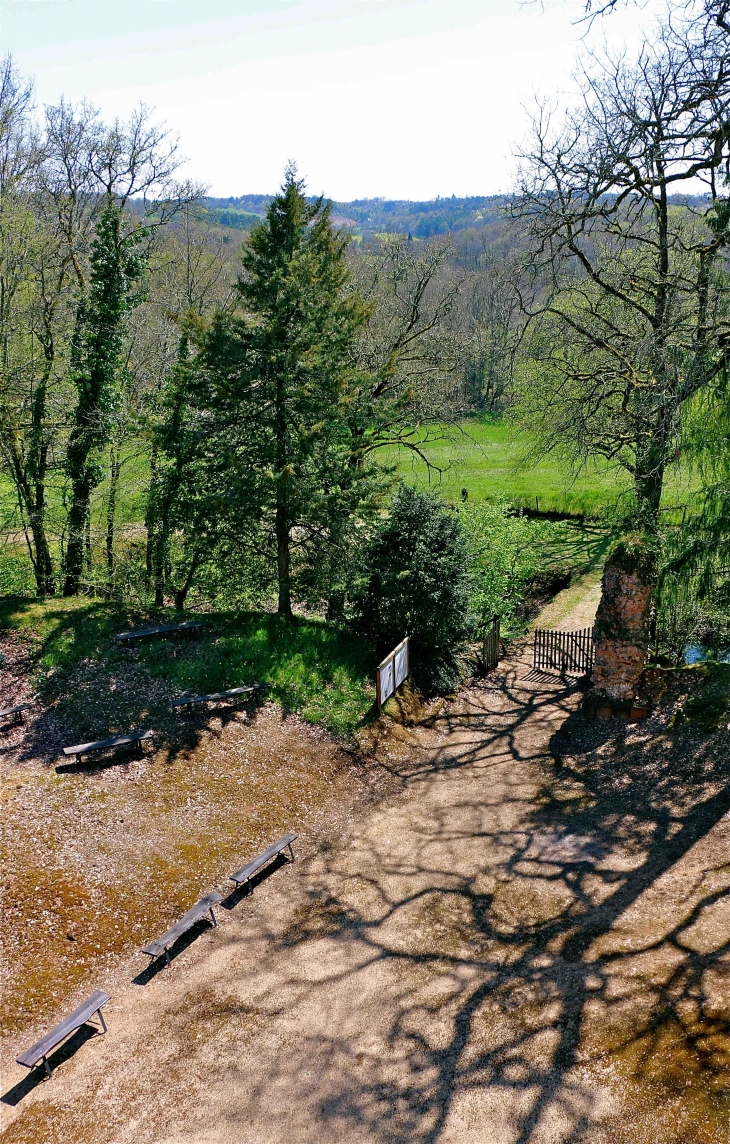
(283, 523)
(95, 356)
(115, 467)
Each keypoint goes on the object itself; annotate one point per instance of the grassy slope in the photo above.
(314, 669)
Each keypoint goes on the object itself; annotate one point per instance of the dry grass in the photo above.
(97, 863)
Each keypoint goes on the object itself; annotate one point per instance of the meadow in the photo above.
(491, 458)
(487, 457)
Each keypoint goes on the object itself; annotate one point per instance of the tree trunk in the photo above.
(149, 519)
(283, 561)
(76, 528)
(181, 593)
(283, 568)
(37, 467)
(111, 506)
(623, 621)
(336, 606)
(32, 501)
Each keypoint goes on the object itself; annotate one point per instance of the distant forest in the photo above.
(371, 217)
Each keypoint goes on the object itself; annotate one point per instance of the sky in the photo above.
(391, 98)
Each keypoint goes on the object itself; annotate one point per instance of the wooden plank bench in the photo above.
(246, 873)
(39, 1052)
(187, 921)
(80, 749)
(17, 711)
(189, 700)
(165, 629)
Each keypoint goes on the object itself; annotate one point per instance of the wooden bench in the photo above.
(17, 711)
(186, 922)
(69, 1025)
(80, 749)
(166, 629)
(189, 700)
(246, 873)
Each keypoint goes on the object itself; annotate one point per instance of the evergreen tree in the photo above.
(416, 582)
(279, 381)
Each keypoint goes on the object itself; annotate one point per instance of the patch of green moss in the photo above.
(637, 555)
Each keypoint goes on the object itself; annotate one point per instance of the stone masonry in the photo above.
(622, 634)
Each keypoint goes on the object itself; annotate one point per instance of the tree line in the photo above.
(240, 403)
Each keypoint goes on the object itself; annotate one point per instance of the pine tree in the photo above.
(280, 380)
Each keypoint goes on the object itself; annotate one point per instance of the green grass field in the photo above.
(488, 459)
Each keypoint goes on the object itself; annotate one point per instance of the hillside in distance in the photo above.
(369, 217)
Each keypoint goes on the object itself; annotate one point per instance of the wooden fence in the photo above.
(392, 671)
(490, 646)
(568, 653)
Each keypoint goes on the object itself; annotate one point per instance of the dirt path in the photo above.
(468, 966)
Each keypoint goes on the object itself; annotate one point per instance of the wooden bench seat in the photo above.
(246, 873)
(80, 749)
(189, 700)
(63, 1029)
(163, 630)
(17, 711)
(187, 921)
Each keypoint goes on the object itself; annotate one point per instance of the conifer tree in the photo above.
(281, 378)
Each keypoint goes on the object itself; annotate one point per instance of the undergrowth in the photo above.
(314, 669)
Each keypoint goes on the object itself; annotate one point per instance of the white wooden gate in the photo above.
(392, 671)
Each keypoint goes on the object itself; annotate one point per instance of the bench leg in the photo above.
(47, 1067)
(212, 917)
(291, 852)
(100, 1015)
(167, 956)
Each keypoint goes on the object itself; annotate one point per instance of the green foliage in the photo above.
(505, 553)
(693, 601)
(415, 582)
(16, 574)
(708, 707)
(275, 386)
(316, 670)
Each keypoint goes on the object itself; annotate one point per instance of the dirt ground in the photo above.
(517, 931)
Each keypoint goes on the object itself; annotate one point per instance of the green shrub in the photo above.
(505, 553)
(415, 582)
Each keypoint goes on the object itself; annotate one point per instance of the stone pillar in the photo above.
(623, 622)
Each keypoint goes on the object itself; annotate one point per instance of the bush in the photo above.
(415, 582)
(506, 553)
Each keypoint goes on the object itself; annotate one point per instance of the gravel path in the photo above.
(466, 965)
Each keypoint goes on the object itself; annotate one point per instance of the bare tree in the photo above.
(630, 305)
(408, 353)
(23, 249)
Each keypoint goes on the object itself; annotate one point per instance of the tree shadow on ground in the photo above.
(590, 932)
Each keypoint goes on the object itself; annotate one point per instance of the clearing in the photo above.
(507, 924)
